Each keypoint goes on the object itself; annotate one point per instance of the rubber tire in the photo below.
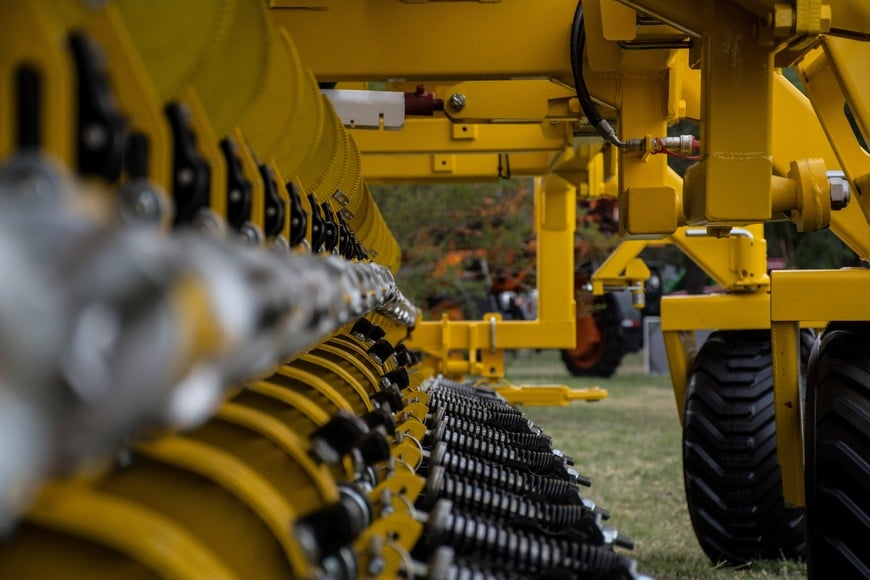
(731, 473)
(837, 451)
(611, 353)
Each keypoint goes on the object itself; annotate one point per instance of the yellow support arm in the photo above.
(549, 395)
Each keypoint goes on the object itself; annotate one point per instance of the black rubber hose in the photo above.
(578, 43)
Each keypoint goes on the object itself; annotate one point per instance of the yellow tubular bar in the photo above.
(549, 395)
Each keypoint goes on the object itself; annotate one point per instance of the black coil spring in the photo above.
(502, 420)
(464, 388)
(459, 572)
(494, 404)
(522, 552)
(511, 480)
(485, 500)
(534, 441)
(477, 447)
(540, 462)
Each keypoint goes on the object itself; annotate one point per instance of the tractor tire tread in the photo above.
(838, 454)
(732, 478)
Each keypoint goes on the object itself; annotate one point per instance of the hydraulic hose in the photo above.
(578, 43)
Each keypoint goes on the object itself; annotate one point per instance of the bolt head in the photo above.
(782, 20)
(457, 101)
(841, 193)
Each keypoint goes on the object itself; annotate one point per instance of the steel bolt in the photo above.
(638, 299)
(457, 102)
(841, 191)
(782, 20)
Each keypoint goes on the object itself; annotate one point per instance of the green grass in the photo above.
(629, 444)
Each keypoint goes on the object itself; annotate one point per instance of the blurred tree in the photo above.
(820, 249)
(492, 221)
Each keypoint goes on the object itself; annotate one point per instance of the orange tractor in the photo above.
(608, 327)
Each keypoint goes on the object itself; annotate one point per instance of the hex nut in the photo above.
(841, 193)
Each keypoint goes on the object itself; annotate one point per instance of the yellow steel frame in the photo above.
(503, 101)
(800, 289)
(754, 168)
(450, 167)
(441, 135)
(549, 395)
(555, 326)
(396, 36)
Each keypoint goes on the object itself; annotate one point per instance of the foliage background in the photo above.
(429, 221)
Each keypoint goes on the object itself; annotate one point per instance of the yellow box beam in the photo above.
(820, 295)
(441, 135)
(457, 168)
(377, 40)
(512, 100)
(716, 311)
(736, 111)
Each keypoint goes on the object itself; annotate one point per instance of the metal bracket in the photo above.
(368, 109)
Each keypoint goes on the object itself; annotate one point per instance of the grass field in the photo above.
(629, 444)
